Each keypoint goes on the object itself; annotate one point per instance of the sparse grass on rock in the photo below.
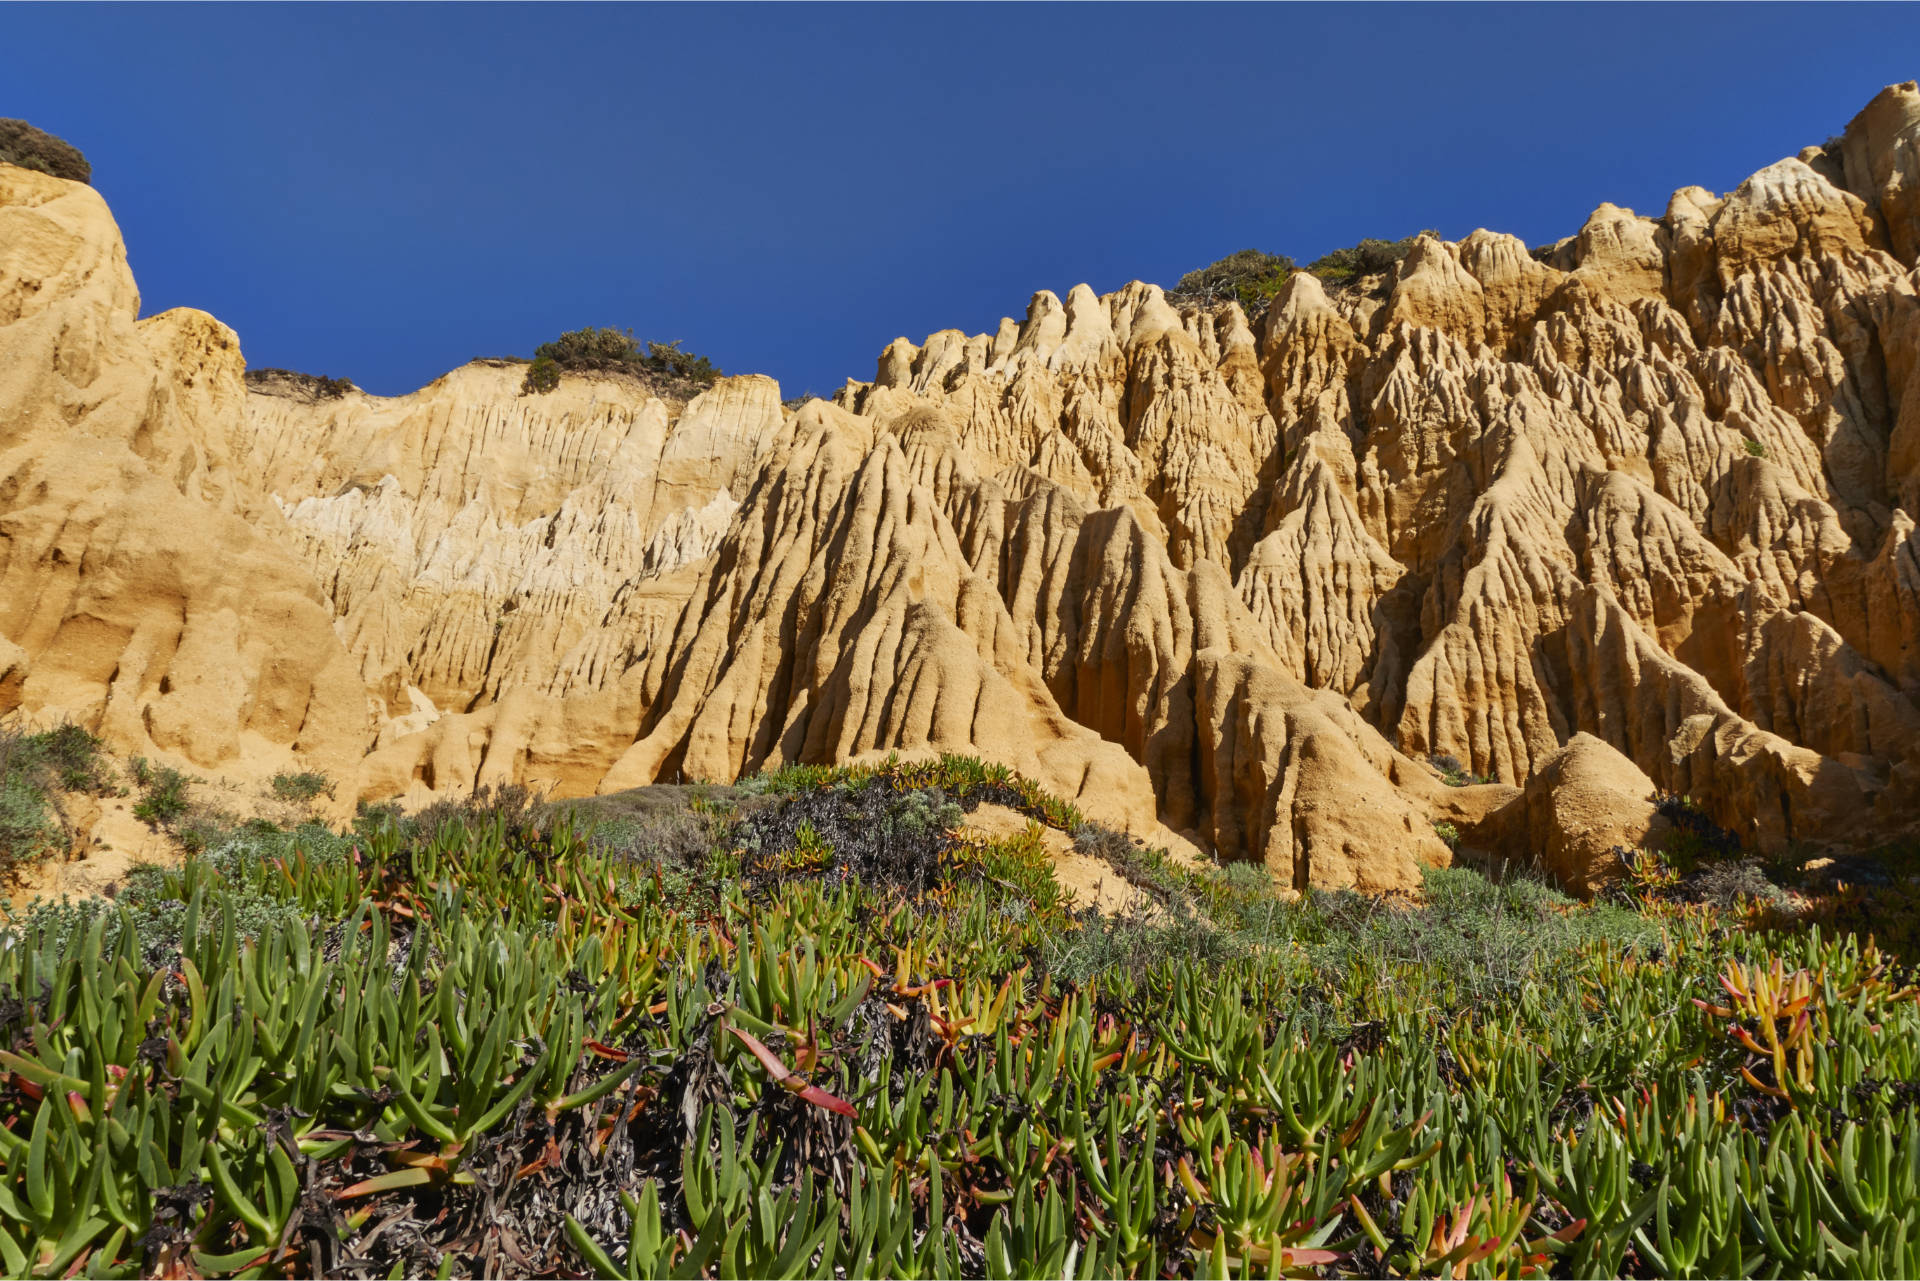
(35, 768)
(303, 787)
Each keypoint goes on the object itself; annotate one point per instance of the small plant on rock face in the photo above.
(1695, 838)
(1448, 834)
(163, 792)
(303, 788)
(1755, 449)
(34, 770)
(29, 826)
(1454, 774)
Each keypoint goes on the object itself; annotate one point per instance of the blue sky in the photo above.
(381, 193)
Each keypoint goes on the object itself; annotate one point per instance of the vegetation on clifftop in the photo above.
(1253, 278)
(30, 148)
(614, 350)
(293, 382)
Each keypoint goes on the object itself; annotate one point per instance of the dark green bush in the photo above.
(30, 148)
(614, 350)
(543, 375)
(1251, 278)
(73, 756)
(667, 358)
(592, 349)
(1368, 258)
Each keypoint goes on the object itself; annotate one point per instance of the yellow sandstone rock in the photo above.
(1630, 515)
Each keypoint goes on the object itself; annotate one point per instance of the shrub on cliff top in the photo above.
(1368, 258)
(618, 350)
(312, 386)
(30, 148)
(1251, 278)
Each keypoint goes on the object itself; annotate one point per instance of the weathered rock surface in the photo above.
(135, 596)
(1585, 805)
(1632, 516)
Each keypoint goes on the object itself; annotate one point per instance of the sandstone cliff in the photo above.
(1646, 496)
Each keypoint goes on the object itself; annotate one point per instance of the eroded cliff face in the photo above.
(1237, 579)
(136, 596)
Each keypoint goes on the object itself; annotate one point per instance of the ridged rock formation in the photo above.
(1630, 514)
(135, 595)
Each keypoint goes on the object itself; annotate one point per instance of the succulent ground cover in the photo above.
(807, 1027)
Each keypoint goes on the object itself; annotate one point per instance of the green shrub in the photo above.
(33, 769)
(1455, 774)
(667, 358)
(1251, 278)
(29, 829)
(591, 349)
(1368, 258)
(72, 755)
(543, 375)
(302, 788)
(163, 793)
(1754, 448)
(1107, 948)
(30, 148)
(616, 350)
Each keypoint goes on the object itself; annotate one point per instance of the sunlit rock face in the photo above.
(1646, 494)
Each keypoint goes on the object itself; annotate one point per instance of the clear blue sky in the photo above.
(381, 193)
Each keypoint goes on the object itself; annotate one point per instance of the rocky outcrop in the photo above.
(134, 594)
(1585, 811)
(1630, 515)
